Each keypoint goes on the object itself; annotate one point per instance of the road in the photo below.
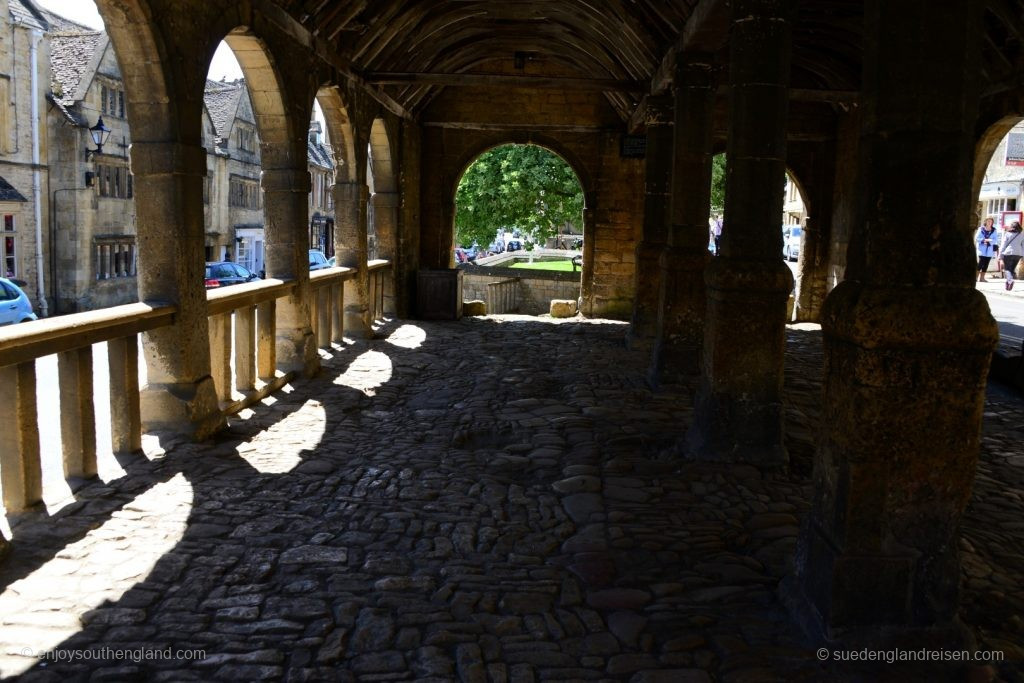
(1009, 314)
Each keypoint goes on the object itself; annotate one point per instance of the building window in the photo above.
(244, 193)
(114, 181)
(112, 101)
(246, 140)
(8, 255)
(114, 257)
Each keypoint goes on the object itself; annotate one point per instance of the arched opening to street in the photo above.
(519, 226)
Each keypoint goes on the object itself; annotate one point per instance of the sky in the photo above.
(224, 63)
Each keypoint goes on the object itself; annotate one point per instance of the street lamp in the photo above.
(99, 134)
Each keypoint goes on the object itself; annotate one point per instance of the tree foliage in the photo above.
(718, 183)
(516, 187)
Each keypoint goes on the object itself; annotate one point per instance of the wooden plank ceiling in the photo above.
(413, 48)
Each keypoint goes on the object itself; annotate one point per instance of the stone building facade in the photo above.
(93, 245)
(24, 150)
(86, 207)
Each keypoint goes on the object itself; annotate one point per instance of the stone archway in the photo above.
(285, 182)
(543, 290)
(168, 162)
(384, 203)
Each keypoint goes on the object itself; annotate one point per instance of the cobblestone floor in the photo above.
(489, 500)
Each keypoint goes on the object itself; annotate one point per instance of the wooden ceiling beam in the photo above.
(505, 80)
(327, 52)
(707, 30)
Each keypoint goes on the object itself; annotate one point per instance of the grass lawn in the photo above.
(565, 265)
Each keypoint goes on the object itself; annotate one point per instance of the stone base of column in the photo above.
(644, 324)
(295, 343)
(738, 413)
(680, 329)
(904, 390)
(357, 322)
(184, 409)
(859, 572)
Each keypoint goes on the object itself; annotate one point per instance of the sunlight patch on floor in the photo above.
(368, 371)
(48, 606)
(279, 448)
(408, 337)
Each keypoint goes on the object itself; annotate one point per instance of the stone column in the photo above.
(286, 207)
(682, 298)
(385, 221)
(907, 348)
(179, 396)
(350, 250)
(586, 300)
(658, 174)
(738, 410)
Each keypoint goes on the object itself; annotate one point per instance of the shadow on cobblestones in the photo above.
(493, 499)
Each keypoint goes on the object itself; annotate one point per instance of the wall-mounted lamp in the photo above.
(99, 134)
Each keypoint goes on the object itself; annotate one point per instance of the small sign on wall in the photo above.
(1015, 149)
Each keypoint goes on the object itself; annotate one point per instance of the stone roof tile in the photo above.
(70, 53)
(222, 103)
(26, 13)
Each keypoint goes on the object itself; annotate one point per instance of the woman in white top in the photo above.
(1010, 251)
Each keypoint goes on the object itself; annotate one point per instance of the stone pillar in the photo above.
(682, 298)
(658, 167)
(385, 222)
(586, 301)
(286, 207)
(907, 348)
(350, 250)
(179, 396)
(738, 410)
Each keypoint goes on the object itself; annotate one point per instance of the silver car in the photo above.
(791, 237)
(14, 305)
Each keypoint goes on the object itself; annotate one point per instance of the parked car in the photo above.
(513, 245)
(472, 251)
(14, 304)
(791, 236)
(333, 261)
(224, 273)
(317, 260)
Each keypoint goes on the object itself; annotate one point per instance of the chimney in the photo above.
(314, 132)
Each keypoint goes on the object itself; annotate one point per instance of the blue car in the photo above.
(14, 305)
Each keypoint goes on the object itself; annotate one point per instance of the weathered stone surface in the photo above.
(562, 308)
(475, 307)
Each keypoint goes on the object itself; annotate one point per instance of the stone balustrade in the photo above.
(242, 363)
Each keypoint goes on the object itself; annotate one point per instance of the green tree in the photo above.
(516, 187)
(718, 183)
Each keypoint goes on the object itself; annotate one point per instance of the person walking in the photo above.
(988, 246)
(1010, 251)
(716, 232)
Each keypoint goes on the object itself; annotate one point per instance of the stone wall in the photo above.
(16, 144)
(579, 126)
(83, 217)
(535, 291)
